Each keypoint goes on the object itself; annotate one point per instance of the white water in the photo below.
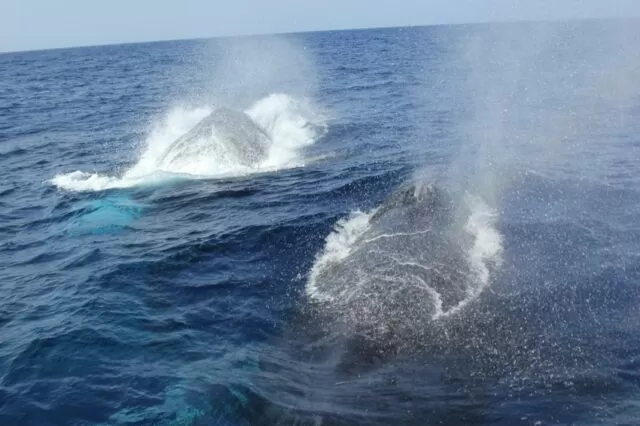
(290, 123)
(485, 250)
(338, 245)
(480, 239)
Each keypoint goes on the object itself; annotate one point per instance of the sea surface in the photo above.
(149, 282)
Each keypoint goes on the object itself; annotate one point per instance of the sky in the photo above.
(43, 24)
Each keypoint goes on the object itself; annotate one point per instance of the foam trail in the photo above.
(291, 124)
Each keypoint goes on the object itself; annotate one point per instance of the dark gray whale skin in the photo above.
(426, 197)
(407, 270)
(241, 136)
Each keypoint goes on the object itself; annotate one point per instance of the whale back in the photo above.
(225, 135)
(407, 267)
(410, 199)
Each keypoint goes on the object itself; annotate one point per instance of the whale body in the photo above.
(225, 136)
(388, 306)
(409, 266)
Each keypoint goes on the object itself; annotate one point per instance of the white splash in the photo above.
(290, 123)
(485, 250)
(338, 246)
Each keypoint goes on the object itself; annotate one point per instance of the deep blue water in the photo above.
(134, 292)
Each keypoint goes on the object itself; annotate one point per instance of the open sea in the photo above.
(263, 268)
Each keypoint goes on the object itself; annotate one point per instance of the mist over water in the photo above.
(537, 95)
(242, 70)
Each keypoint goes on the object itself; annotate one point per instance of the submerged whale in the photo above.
(403, 265)
(225, 136)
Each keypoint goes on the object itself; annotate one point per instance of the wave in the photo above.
(290, 124)
(371, 271)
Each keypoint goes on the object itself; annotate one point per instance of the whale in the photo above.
(398, 313)
(225, 136)
(378, 305)
(408, 266)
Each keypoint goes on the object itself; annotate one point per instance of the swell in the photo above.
(226, 251)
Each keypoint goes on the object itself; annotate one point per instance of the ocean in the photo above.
(422, 226)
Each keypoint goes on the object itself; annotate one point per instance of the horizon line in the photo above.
(315, 31)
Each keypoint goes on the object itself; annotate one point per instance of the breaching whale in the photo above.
(407, 265)
(225, 136)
